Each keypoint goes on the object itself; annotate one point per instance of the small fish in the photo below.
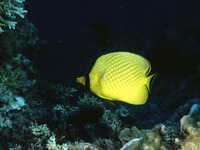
(120, 76)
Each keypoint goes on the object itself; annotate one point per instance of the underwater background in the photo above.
(46, 45)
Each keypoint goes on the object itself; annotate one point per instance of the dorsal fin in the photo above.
(147, 66)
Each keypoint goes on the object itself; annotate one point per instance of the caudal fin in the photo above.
(150, 81)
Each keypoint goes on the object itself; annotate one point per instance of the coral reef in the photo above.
(10, 9)
(35, 114)
(51, 145)
(190, 127)
(50, 120)
(128, 134)
(164, 137)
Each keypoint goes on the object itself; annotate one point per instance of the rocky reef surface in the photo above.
(35, 114)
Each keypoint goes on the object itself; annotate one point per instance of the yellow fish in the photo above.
(120, 76)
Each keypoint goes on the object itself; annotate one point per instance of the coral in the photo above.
(112, 120)
(132, 142)
(90, 110)
(16, 79)
(16, 74)
(107, 117)
(153, 140)
(64, 92)
(39, 130)
(144, 139)
(86, 114)
(52, 145)
(190, 126)
(5, 122)
(86, 121)
(89, 100)
(54, 93)
(165, 138)
(17, 103)
(9, 99)
(23, 40)
(8, 11)
(122, 111)
(6, 94)
(52, 119)
(128, 134)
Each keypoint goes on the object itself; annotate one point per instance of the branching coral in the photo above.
(52, 145)
(112, 120)
(8, 11)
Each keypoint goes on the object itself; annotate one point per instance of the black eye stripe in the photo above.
(87, 81)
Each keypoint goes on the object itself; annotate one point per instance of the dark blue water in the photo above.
(68, 28)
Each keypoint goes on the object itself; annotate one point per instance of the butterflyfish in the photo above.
(120, 76)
